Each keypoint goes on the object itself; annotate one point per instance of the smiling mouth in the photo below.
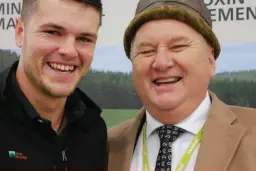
(61, 67)
(173, 80)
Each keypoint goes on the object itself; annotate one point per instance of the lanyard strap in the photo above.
(184, 160)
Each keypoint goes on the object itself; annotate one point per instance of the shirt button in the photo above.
(40, 120)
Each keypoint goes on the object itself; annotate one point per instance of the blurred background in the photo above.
(109, 81)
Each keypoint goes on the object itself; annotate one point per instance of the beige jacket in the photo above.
(229, 140)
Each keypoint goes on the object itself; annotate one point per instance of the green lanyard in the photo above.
(186, 157)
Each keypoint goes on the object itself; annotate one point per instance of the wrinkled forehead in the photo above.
(168, 27)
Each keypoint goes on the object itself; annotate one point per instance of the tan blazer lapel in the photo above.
(120, 157)
(220, 138)
(131, 140)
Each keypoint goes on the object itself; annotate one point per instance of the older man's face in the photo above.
(172, 66)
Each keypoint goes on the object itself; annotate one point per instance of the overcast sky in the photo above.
(234, 57)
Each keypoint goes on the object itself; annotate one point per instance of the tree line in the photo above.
(114, 90)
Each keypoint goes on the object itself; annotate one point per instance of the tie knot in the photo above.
(169, 133)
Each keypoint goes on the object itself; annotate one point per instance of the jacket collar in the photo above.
(221, 138)
(81, 105)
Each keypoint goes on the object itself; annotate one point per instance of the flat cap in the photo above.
(192, 12)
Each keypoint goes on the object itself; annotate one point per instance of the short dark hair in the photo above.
(28, 6)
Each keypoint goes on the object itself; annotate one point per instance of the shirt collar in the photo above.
(74, 106)
(29, 110)
(193, 123)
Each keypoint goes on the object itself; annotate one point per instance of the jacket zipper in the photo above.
(64, 159)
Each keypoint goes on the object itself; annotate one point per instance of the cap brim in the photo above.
(171, 12)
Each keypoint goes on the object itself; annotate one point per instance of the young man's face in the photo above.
(57, 44)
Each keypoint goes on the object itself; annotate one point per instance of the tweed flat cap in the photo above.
(192, 12)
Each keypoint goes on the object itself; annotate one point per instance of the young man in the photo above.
(183, 126)
(46, 122)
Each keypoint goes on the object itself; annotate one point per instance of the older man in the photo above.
(182, 125)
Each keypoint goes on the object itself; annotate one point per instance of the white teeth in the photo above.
(66, 68)
(71, 68)
(62, 67)
(167, 80)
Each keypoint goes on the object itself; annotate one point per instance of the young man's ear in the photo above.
(19, 32)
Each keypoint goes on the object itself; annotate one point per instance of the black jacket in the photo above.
(28, 142)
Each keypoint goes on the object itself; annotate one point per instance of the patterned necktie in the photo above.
(167, 134)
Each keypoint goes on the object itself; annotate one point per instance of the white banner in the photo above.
(9, 9)
(233, 20)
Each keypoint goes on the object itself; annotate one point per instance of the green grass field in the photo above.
(116, 116)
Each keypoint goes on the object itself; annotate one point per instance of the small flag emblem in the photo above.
(17, 155)
(12, 154)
